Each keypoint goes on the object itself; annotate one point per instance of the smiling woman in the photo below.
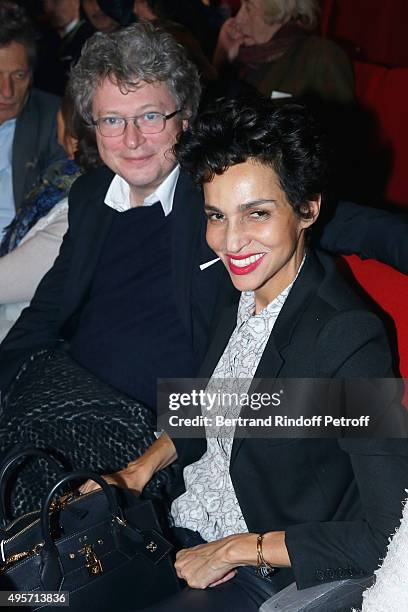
(263, 170)
(254, 229)
(260, 201)
(251, 514)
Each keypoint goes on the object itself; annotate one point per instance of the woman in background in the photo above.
(271, 45)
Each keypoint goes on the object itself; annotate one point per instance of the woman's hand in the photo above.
(138, 473)
(214, 563)
(134, 477)
(229, 41)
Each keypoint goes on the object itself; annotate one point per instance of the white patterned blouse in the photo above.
(209, 504)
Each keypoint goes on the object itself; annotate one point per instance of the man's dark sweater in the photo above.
(130, 332)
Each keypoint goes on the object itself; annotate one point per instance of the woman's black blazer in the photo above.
(338, 500)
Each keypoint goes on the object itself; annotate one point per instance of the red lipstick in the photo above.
(247, 263)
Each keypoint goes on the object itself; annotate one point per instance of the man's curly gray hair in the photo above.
(130, 56)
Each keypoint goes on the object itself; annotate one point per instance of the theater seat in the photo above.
(388, 289)
(384, 92)
(326, 16)
(336, 596)
(369, 30)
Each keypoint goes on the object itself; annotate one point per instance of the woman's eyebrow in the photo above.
(211, 207)
(244, 206)
(254, 203)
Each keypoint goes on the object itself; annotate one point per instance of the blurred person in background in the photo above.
(164, 15)
(100, 20)
(29, 248)
(28, 139)
(271, 45)
(120, 11)
(202, 20)
(61, 43)
(32, 240)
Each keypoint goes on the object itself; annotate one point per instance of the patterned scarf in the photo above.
(53, 187)
(284, 39)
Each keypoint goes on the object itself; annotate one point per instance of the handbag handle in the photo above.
(114, 508)
(51, 575)
(7, 466)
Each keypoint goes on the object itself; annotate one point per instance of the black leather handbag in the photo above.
(104, 549)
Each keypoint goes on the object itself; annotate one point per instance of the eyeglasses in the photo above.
(148, 123)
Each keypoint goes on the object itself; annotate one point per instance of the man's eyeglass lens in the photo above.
(148, 123)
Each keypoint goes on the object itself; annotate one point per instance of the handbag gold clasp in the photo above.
(93, 563)
(62, 501)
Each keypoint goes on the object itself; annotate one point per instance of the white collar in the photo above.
(118, 194)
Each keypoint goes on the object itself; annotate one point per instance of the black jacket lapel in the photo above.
(302, 292)
(94, 226)
(195, 290)
(187, 208)
(225, 327)
(24, 159)
(272, 360)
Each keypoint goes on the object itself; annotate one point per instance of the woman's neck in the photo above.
(280, 281)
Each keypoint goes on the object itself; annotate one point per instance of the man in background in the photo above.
(28, 139)
(61, 44)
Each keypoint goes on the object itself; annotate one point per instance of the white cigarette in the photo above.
(209, 263)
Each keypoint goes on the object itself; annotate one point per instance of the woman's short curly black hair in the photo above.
(286, 138)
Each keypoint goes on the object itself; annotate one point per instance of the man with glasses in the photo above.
(126, 297)
(121, 291)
